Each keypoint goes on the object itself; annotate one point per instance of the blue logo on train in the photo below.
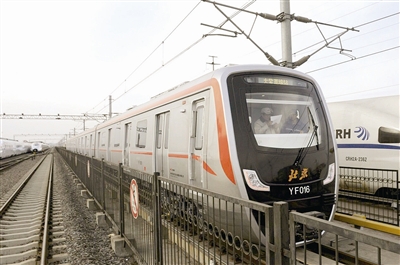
(362, 133)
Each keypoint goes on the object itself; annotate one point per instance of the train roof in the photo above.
(218, 74)
(388, 105)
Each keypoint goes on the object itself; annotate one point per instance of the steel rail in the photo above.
(30, 173)
(24, 213)
(45, 239)
(13, 161)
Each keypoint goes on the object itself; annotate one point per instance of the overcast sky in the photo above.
(67, 57)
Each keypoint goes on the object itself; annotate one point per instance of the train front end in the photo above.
(284, 140)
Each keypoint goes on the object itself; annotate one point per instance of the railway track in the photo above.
(31, 230)
(10, 162)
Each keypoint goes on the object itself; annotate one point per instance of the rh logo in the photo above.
(362, 133)
(359, 131)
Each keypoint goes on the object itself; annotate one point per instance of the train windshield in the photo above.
(283, 138)
(283, 120)
(278, 112)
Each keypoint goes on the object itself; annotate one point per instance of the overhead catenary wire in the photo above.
(358, 92)
(363, 56)
(138, 67)
(336, 18)
(317, 43)
(376, 20)
(360, 57)
(199, 40)
(364, 24)
(358, 48)
(173, 58)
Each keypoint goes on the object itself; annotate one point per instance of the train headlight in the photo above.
(253, 181)
(331, 174)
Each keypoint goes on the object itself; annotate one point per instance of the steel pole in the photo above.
(286, 34)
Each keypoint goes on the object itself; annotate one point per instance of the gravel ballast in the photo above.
(87, 243)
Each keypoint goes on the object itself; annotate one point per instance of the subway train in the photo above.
(367, 132)
(10, 147)
(38, 147)
(257, 132)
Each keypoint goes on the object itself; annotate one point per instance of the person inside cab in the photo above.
(264, 124)
(293, 124)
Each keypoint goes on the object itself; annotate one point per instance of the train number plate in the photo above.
(299, 190)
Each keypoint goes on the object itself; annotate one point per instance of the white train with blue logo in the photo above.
(368, 136)
(9, 147)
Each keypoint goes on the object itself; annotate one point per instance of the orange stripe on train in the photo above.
(223, 146)
(222, 134)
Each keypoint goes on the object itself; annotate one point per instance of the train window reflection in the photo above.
(141, 133)
(199, 128)
(282, 120)
(388, 135)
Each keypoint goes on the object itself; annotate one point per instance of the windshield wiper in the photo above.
(301, 155)
(315, 127)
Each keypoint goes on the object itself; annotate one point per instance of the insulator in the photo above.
(302, 19)
(267, 16)
(271, 59)
(301, 61)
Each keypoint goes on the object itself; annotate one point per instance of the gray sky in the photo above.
(67, 57)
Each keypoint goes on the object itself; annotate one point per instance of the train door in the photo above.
(197, 146)
(161, 146)
(108, 157)
(85, 152)
(127, 143)
(97, 151)
(91, 145)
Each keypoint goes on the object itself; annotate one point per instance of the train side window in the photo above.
(199, 128)
(141, 132)
(90, 145)
(117, 136)
(103, 139)
(85, 146)
(160, 127)
(388, 135)
(109, 141)
(166, 135)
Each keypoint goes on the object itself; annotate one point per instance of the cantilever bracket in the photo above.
(340, 41)
(284, 16)
(224, 35)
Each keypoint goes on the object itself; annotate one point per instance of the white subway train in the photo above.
(204, 133)
(10, 147)
(38, 147)
(368, 137)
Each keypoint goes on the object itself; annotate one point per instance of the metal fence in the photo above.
(375, 249)
(166, 222)
(373, 193)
